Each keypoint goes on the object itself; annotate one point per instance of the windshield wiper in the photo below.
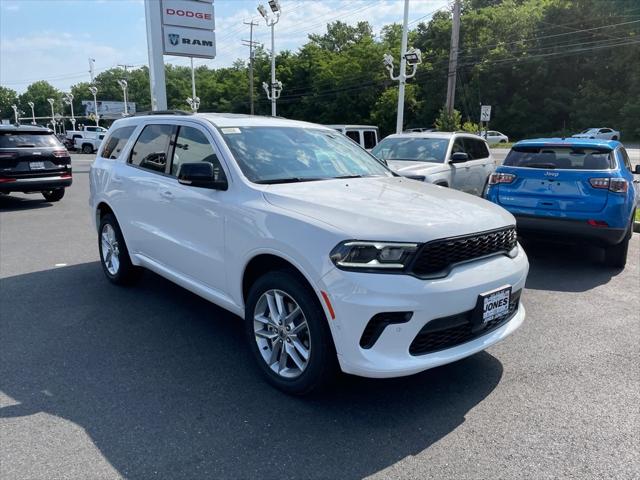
(287, 180)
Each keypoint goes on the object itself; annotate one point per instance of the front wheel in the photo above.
(53, 195)
(288, 334)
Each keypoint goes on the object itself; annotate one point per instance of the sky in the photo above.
(52, 39)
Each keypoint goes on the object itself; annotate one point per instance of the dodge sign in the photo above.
(190, 14)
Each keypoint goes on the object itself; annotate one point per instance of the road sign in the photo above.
(485, 113)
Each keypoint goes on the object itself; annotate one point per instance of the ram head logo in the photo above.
(174, 38)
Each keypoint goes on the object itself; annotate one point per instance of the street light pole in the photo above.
(68, 98)
(33, 113)
(123, 84)
(53, 114)
(413, 57)
(94, 92)
(15, 112)
(274, 92)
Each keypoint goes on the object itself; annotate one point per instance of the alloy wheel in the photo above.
(110, 249)
(282, 333)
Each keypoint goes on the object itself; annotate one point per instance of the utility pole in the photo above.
(250, 43)
(453, 58)
(125, 67)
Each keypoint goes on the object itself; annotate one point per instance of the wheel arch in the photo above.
(102, 209)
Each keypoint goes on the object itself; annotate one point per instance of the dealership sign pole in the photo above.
(184, 28)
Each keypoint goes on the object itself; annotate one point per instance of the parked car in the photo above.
(494, 137)
(366, 136)
(331, 259)
(461, 161)
(86, 138)
(600, 133)
(572, 190)
(88, 145)
(32, 160)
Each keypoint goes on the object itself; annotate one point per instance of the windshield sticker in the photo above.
(230, 131)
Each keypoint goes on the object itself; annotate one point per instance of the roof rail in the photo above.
(163, 112)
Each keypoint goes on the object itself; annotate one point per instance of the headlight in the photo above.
(387, 256)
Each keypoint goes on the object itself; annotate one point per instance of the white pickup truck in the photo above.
(87, 138)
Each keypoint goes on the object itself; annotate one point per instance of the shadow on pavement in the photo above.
(162, 382)
(9, 203)
(566, 268)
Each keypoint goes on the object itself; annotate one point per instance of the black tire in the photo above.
(53, 195)
(322, 365)
(126, 272)
(86, 148)
(503, 141)
(615, 256)
(614, 138)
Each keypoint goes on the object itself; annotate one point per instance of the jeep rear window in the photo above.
(28, 140)
(565, 158)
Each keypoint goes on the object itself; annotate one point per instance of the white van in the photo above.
(367, 136)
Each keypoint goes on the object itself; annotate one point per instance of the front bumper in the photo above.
(562, 229)
(357, 297)
(35, 184)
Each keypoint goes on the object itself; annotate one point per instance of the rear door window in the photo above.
(151, 150)
(568, 158)
(28, 140)
(116, 142)
(369, 139)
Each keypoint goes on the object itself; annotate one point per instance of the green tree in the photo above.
(8, 97)
(448, 122)
(38, 93)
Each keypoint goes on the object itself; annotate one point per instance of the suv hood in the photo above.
(416, 168)
(389, 208)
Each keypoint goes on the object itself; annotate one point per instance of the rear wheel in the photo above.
(53, 195)
(288, 334)
(86, 148)
(616, 255)
(114, 255)
(614, 138)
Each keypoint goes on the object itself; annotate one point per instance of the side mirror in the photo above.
(459, 157)
(203, 175)
(637, 169)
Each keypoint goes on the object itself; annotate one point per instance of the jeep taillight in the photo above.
(5, 155)
(60, 153)
(617, 185)
(496, 178)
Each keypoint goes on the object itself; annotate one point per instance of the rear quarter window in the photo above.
(566, 158)
(116, 142)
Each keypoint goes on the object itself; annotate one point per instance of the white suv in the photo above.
(456, 160)
(330, 258)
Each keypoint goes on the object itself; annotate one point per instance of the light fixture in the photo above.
(275, 6)
(413, 56)
(263, 11)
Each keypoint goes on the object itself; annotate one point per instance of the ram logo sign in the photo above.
(189, 42)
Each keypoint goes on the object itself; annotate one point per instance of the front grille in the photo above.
(448, 332)
(436, 258)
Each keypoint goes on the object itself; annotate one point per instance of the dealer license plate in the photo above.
(36, 165)
(495, 304)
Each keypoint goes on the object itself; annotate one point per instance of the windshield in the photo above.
(28, 140)
(292, 154)
(431, 150)
(570, 158)
(590, 130)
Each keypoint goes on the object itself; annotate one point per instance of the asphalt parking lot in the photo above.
(102, 382)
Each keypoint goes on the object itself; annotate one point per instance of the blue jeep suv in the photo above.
(570, 189)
